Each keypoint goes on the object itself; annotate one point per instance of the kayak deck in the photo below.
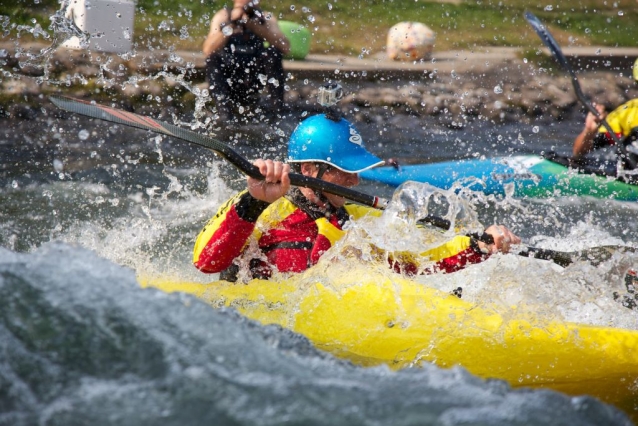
(388, 319)
(519, 176)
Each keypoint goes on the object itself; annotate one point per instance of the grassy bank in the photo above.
(347, 27)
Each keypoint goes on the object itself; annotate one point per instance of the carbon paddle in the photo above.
(94, 110)
(553, 46)
(91, 109)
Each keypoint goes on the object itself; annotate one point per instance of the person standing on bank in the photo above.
(237, 55)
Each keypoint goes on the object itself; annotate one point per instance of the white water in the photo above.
(81, 343)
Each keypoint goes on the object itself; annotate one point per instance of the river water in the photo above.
(87, 205)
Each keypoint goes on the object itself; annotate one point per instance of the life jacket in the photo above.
(291, 235)
(624, 123)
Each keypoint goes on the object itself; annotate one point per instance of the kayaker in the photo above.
(623, 121)
(272, 225)
(236, 57)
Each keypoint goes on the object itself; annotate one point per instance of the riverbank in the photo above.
(499, 85)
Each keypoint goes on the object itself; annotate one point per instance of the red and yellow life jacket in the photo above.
(291, 235)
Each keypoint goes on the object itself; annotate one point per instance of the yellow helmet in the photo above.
(636, 70)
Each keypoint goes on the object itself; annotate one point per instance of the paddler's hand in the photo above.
(584, 142)
(237, 13)
(592, 123)
(503, 239)
(276, 181)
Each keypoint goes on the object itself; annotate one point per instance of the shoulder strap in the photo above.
(296, 197)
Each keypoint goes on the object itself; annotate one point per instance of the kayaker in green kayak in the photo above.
(622, 120)
(272, 225)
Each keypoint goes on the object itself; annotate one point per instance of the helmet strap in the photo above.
(333, 113)
(322, 168)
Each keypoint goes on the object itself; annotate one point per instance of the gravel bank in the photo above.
(483, 86)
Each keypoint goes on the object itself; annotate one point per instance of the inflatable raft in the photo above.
(385, 318)
(522, 176)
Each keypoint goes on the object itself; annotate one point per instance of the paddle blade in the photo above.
(113, 115)
(101, 112)
(549, 41)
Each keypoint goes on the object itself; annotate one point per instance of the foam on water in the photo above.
(580, 293)
(82, 343)
(156, 234)
(153, 233)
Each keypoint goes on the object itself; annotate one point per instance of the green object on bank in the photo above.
(299, 37)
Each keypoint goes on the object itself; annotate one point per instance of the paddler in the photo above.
(273, 226)
(624, 123)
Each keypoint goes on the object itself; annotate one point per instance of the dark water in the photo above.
(86, 205)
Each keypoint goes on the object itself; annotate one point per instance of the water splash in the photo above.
(120, 352)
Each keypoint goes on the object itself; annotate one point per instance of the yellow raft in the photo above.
(387, 319)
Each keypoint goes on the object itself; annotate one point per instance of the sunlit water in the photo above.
(87, 205)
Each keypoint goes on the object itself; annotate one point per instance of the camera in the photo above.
(251, 8)
(329, 94)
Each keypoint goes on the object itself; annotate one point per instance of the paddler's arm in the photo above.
(226, 234)
(216, 39)
(584, 142)
(453, 255)
(464, 250)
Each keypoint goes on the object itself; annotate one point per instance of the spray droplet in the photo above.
(535, 129)
(498, 90)
(58, 166)
(83, 134)
(274, 82)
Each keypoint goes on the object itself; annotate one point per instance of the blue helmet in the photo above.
(337, 143)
